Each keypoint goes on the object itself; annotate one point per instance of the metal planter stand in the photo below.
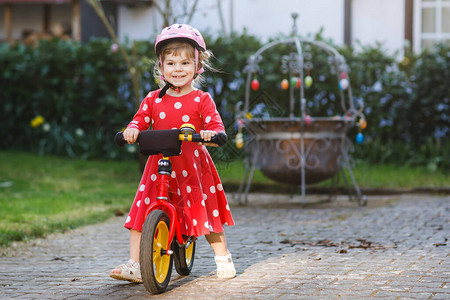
(299, 150)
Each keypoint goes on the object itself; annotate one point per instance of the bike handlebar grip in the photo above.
(220, 139)
(120, 141)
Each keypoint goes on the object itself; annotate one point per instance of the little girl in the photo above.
(197, 191)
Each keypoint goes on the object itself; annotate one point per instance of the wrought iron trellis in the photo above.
(301, 144)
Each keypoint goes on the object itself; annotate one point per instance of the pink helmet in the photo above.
(183, 32)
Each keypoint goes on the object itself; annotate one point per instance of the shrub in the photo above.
(407, 106)
(66, 98)
(74, 89)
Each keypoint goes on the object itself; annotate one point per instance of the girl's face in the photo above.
(179, 70)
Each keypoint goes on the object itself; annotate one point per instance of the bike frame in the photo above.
(187, 134)
(162, 202)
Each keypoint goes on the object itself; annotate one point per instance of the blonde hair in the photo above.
(176, 48)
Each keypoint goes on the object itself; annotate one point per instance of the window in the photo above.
(432, 23)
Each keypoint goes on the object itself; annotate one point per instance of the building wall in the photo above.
(267, 18)
(29, 17)
(372, 21)
(138, 23)
(23, 18)
(92, 25)
(62, 14)
(262, 18)
(381, 20)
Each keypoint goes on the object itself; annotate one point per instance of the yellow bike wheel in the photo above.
(156, 265)
(184, 257)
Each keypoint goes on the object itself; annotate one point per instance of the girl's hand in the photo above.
(130, 135)
(207, 135)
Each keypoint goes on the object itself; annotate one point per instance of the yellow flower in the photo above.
(37, 121)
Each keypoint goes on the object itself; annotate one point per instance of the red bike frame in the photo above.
(187, 134)
(162, 202)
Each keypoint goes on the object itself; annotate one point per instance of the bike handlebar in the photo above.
(119, 139)
(219, 139)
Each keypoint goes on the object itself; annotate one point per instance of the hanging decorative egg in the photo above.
(255, 84)
(308, 81)
(295, 81)
(343, 75)
(343, 83)
(359, 138)
(238, 124)
(308, 120)
(284, 84)
(239, 140)
(362, 123)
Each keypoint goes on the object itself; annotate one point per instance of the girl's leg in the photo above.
(131, 270)
(218, 243)
(225, 266)
(135, 243)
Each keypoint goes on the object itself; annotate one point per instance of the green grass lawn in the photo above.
(44, 194)
(367, 176)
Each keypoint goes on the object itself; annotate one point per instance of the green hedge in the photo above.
(407, 106)
(74, 89)
(81, 95)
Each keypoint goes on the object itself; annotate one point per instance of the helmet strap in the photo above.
(164, 89)
(201, 70)
(171, 86)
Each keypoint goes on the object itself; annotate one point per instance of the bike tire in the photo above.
(156, 267)
(184, 258)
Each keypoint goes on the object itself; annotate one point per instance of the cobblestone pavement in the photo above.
(395, 248)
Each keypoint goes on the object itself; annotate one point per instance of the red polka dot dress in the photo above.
(196, 189)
